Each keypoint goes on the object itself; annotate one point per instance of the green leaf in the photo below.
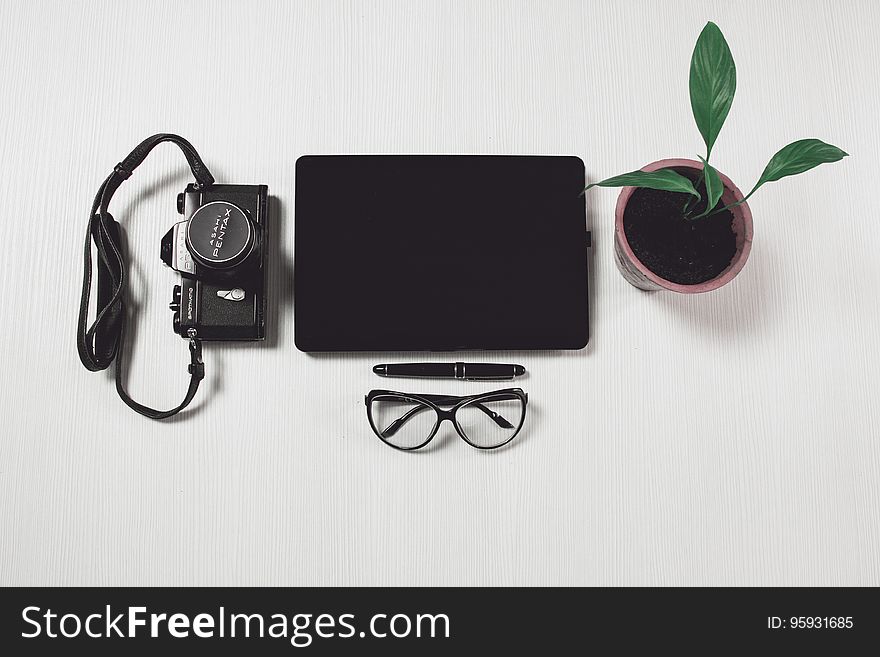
(714, 187)
(712, 83)
(797, 157)
(664, 179)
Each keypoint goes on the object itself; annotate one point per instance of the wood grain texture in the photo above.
(730, 438)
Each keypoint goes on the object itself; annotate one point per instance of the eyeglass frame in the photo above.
(458, 401)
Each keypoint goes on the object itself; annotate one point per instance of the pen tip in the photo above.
(379, 369)
(518, 370)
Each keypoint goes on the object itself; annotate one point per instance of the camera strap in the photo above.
(103, 341)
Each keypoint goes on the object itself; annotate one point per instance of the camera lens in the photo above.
(219, 235)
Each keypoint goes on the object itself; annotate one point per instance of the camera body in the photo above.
(220, 250)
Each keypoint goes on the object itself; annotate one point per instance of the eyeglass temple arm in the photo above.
(497, 417)
(445, 400)
(392, 428)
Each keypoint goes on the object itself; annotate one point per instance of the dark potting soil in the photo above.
(685, 251)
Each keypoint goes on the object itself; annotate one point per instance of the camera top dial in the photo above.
(219, 235)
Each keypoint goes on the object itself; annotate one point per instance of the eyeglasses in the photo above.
(486, 421)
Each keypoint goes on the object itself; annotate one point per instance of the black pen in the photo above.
(468, 371)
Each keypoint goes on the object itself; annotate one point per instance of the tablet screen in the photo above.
(449, 252)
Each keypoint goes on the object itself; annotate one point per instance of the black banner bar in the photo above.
(428, 621)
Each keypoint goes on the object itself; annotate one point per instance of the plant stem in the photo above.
(690, 201)
(732, 205)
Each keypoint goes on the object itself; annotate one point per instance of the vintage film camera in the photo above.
(220, 252)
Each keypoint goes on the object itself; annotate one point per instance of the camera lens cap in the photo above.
(219, 235)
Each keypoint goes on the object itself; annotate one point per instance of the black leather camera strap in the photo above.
(103, 341)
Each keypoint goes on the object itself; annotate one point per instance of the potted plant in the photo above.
(680, 224)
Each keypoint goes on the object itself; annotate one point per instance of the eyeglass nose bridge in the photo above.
(445, 415)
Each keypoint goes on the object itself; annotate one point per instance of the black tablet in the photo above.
(440, 253)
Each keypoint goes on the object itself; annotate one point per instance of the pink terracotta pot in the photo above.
(636, 273)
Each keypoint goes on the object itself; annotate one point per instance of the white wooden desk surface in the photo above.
(721, 439)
